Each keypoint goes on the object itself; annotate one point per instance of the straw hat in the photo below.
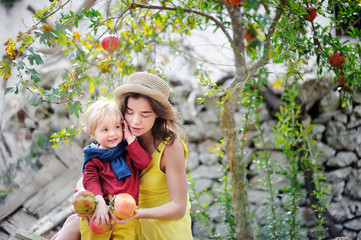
(146, 84)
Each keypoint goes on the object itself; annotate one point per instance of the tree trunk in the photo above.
(237, 168)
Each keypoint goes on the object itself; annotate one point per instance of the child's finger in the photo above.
(126, 127)
(87, 220)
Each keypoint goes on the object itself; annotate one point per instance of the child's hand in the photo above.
(101, 212)
(127, 134)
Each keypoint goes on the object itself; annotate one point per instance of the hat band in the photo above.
(147, 86)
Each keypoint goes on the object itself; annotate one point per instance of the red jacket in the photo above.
(99, 177)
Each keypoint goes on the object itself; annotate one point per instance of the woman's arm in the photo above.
(173, 164)
(79, 185)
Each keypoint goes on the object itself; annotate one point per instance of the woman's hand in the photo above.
(86, 216)
(122, 221)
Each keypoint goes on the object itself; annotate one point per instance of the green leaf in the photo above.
(36, 99)
(19, 64)
(252, 4)
(75, 108)
(62, 39)
(53, 95)
(34, 75)
(9, 90)
(33, 57)
(5, 69)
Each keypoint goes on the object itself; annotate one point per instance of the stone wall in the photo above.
(336, 130)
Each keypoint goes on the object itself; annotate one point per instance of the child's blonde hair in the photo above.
(96, 112)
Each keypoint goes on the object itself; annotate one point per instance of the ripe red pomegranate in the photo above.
(99, 228)
(110, 43)
(336, 59)
(310, 14)
(123, 205)
(233, 2)
(249, 34)
(84, 202)
(104, 63)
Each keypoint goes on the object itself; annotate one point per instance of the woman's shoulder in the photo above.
(176, 146)
(176, 143)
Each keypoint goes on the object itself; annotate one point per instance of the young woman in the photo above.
(164, 208)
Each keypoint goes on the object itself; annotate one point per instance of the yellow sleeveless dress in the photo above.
(154, 192)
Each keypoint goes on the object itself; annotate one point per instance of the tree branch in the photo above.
(260, 63)
(267, 44)
(238, 43)
(218, 23)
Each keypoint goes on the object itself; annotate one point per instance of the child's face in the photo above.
(108, 133)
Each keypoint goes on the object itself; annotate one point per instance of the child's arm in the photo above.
(101, 213)
(139, 156)
(91, 182)
(141, 159)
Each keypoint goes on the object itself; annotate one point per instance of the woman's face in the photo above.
(139, 116)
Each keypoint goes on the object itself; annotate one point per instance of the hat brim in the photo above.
(143, 90)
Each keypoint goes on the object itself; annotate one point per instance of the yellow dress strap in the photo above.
(162, 145)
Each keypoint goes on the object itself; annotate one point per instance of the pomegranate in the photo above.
(249, 34)
(104, 63)
(84, 202)
(99, 228)
(311, 14)
(336, 59)
(233, 2)
(123, 205)
(110, 43)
